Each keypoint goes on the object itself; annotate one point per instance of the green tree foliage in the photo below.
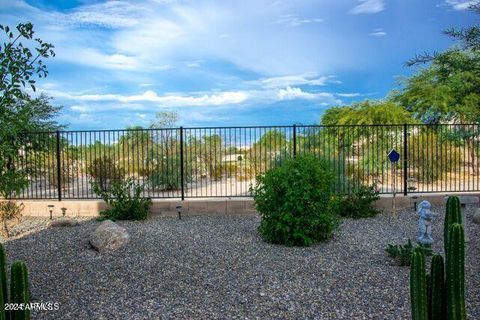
(368, 112)
(350, 135)
(447, 88)
(19, 68)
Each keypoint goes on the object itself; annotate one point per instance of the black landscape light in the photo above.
(179, 211)
(50, 208)
(64, 211)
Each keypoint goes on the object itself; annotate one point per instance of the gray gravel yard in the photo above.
(208, 267)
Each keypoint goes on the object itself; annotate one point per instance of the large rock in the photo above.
(63, 222)
(476, 216)
(109, 236)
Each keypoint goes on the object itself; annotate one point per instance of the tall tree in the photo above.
(19, 112)
(447, 87)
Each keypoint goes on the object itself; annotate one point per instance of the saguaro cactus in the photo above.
(19, 292)
(455, 273)
(452, 215)
(418, 286)
(437, 306)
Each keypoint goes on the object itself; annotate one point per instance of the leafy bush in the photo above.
(125, 199)
(293, 201)
(358, 204)
(105, 172)
(402, 253)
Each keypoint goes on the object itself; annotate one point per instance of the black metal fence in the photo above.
(224, 161)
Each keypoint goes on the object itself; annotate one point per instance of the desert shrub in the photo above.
(167, 176)
(104, 172)
(10, 213)
(125, 199)
(402, 253)
(357, 204)
(216, 172)
(293, 202)
(68, 170)
(230, 169)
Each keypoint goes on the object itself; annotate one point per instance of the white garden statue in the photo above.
(426, 217)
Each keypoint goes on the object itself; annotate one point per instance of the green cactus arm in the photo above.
(19, 290)
(418, 286)
(437, 309)
(455, 273)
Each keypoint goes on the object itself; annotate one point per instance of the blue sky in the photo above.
(248, 62)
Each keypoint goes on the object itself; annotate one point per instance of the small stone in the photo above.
(476, 216)
(63, 222)
(109, 236)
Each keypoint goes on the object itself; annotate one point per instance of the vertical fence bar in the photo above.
(59, 170)
(294, 140)
(182, 164)
(405, 159)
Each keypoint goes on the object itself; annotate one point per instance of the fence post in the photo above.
(181, 164)
(294, 140)
(59, 170)
(405, 160)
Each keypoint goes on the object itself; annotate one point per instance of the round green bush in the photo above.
(294, 202)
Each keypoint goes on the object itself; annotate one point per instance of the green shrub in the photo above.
(125, 199)
(294, 202)
(358, 204)
(104, 172)
(165, 176)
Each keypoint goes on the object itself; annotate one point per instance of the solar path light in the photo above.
(179, 211)
(50, 208)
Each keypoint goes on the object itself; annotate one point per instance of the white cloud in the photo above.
(378, 33)
(308, 78)
(87, 102)
(349, 95)
(290, 93)
(194, 63)
(293, 20)
(368, 6)
(215, 99)
(80, 108)
(461, 4)
(110, 14)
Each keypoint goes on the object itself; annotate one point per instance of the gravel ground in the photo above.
(218, 267)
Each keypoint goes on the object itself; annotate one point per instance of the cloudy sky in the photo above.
(249, 62)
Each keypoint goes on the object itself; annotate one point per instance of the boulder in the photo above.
(476, 216)
(109, 236)
(63, 222)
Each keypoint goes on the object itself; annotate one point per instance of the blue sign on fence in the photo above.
(393, 155)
